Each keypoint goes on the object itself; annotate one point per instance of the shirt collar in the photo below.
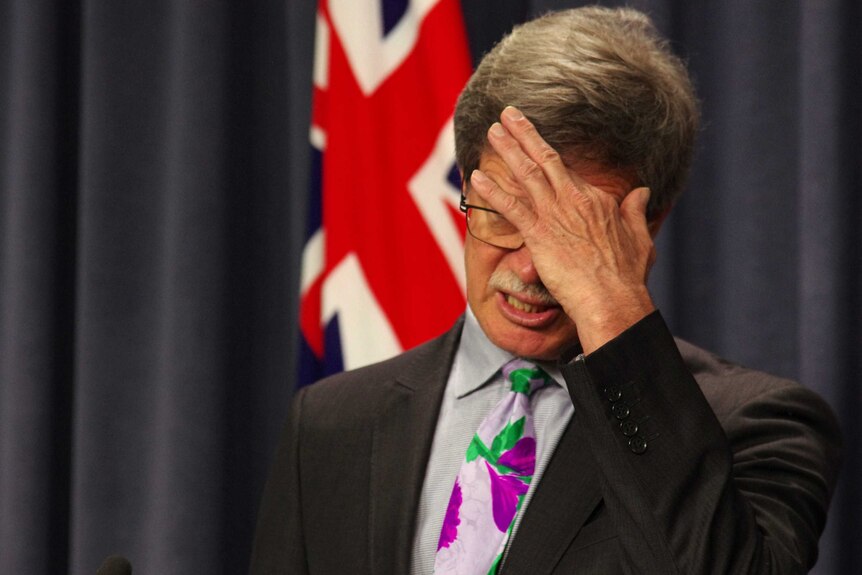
(478, 360)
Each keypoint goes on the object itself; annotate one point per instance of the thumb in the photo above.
(634, 205)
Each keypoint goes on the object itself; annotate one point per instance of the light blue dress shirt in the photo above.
(475, 386)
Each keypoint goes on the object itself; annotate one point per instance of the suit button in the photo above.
(613, 393)
(629, 428)
(637, 444)
(620, 410)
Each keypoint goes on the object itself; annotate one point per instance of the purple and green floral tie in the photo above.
(493, 480)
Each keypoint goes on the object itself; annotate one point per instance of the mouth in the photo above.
(523, 305)
(525, 311)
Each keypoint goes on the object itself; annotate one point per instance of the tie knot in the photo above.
(524, 376)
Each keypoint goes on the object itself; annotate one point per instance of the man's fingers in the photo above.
(633, 211)
(510, 206)
(637, 200)
(538, 150)
(634, 207)
(527, 172)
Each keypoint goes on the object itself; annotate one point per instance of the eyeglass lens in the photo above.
(489, 226)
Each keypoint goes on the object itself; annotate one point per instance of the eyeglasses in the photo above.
(489, 226)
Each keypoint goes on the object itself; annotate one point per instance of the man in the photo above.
(628, 451)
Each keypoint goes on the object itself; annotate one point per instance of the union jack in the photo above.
(382, 267)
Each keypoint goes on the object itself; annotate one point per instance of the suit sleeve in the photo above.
(747, 494)
(279, 547)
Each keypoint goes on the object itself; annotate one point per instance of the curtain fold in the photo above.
(38, 215)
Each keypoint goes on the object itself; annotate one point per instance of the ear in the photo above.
(655, 224)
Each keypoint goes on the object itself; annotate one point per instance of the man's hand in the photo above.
(592, 248)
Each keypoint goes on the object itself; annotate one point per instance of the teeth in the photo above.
(518, 304)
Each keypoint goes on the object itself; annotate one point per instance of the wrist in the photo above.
(598, 322)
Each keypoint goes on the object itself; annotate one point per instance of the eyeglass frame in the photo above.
(463, 206)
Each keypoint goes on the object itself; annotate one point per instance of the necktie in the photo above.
(493, 480)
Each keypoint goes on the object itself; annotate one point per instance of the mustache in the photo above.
(508, 281)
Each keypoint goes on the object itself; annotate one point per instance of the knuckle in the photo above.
(571, 190)
(528, 170)
(549, 155)
(509, 144)
(524, 126)
(605, 203)
(583, 200)
(509, 182)
(510, 203)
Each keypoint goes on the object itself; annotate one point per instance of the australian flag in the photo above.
(382, 267)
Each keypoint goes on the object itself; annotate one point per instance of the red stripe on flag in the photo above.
(375, 144)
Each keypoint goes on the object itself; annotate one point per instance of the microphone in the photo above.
(115, 565)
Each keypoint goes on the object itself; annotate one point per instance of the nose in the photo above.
(520, 261)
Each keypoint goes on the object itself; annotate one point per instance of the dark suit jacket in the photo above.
(674, 462)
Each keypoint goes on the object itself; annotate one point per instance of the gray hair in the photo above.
(596, 82)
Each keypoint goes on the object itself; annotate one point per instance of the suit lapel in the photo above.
(567, 494)
(401, 444)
